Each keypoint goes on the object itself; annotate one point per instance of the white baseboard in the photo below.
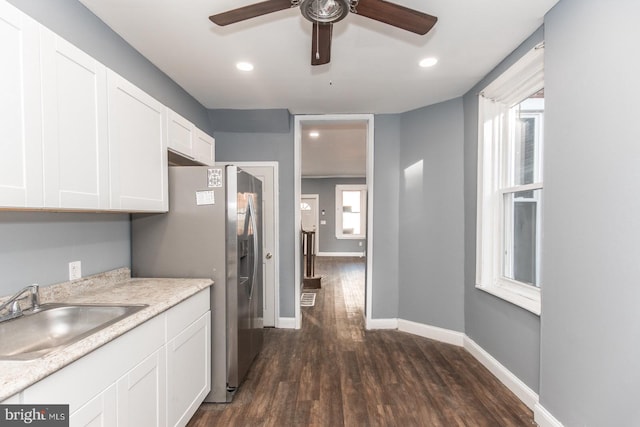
(432, 332)
(286, 323)
(382, 324)
(544, 417)
(506, 377)
(342, 254)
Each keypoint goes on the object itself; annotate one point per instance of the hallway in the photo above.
(334, 373)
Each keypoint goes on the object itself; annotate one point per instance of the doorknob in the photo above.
(268, 255)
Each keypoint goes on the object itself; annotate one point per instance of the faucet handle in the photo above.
(15, 308)
(35, 297)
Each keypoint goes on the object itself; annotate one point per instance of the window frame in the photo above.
(340, 188)
(495, 172)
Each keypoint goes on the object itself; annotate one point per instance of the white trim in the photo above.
(342, 254)
(276, 244)
(286, 323)
(297, 163)
(382, 324)
(432, 332)
(506, 377)
(298, 282)
(339, 214)
(510, 294)
(544, 417)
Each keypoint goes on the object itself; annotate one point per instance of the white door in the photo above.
(76, 144)
(309, 216)
(20, 110)
(137, 148)
(268, 174)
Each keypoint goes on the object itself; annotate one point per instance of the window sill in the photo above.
(530, 304)
(351, 237)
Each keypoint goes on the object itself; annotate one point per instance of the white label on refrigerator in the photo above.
(214, 178)
(207, 197)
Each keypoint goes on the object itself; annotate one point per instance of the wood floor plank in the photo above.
(333, 372)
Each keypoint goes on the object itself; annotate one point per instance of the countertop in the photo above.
(114, 287)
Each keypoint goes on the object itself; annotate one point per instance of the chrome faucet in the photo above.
(12, 305)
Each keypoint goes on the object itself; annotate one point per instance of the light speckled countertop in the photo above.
(114, 287)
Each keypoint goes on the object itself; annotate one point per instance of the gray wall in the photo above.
(75, 23)
(590, 344)
(386, 225)
(507, 332)
(325, 188)
(36, 247)
(431, 281)
(254, 145)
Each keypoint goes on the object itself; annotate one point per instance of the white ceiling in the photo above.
(338, 151)
(373, 66)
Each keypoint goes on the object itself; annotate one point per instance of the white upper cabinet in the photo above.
(181, 134)
(20, 113)
(137, 148)
(204, 148)
(75, 134)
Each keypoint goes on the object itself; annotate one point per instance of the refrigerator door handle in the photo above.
(254, 225)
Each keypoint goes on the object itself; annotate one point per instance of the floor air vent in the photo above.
(307, 299)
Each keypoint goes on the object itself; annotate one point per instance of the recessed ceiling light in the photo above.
(428, 62)
(314, 134)
(244, 66)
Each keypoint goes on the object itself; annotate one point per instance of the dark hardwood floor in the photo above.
(334, 373)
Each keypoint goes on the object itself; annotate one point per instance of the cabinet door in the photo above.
(204, 148)
(188, 371)
(142, 393)
(20, 114)
(181, 135)
(137, 148)
(98, 412)
(76, 151)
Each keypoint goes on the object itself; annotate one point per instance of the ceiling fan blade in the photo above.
(321, 44)
(251, 11)
(396, 15)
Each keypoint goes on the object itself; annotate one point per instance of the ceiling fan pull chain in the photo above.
(353, 5)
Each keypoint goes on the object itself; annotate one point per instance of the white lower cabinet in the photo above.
(141, 393)
(98, 412)
(154, 375)
(188, 367)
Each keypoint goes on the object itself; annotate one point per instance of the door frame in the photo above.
(297, 162)
(316, 197)
(276, 232)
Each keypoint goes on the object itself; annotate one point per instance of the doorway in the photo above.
(300, 122)
(309, 216)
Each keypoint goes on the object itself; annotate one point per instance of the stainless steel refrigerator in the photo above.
(213, 229)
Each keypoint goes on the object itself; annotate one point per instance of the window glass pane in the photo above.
(351, 212)
(351, 201)
(527, 139)
(522, 236)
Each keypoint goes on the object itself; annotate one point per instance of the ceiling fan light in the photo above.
(324, 11)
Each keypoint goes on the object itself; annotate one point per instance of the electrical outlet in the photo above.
(75, 270)
(359, 243)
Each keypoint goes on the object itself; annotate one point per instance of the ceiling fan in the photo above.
(323, 13)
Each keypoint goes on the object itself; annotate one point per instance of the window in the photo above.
(510, 185)
(351, 211)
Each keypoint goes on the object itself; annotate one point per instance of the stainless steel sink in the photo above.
(54, 326)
